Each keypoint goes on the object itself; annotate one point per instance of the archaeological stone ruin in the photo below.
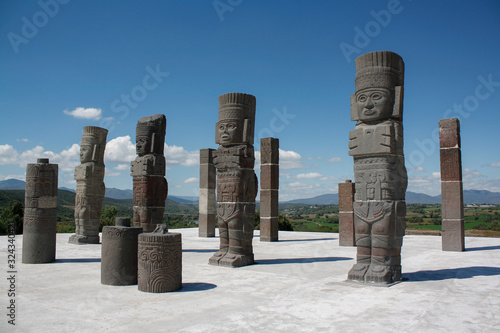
(269, 187)
(452, 202)
(236, 181)
(40, 213)
(346, 214)
(90, 189)
(376, 145)
(206, 226)
(148, 172)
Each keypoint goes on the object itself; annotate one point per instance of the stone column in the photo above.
(90, 189)
(346, 214)
(122, 221)
(236, 181)
(376, 145)
(119, 255)
(40, 213)
(269, 187)
(148, 172)
(452, 203)
(160, 261)
(206, 224)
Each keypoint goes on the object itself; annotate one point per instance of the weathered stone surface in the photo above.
(160, 261)
(206, 221)
(269, 203)
(269, 176)
(40, 213)
(122, 221)
(346, 214)
(236, 180)
(269, 150)
(90, 189)
(376, 144)
(453, 235)
(148, 171)
(451, 186)
(269, 229)
(119, 255)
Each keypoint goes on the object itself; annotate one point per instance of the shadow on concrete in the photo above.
(451, 273)
(196, 286)
(483, 248)
(298, 260)
(76, 260)
(201, 250)
(304, 240)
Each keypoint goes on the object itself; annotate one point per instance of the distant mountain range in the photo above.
(470, 196)
(113, 193)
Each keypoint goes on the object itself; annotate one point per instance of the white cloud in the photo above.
(308, 175)
(120, 150)
(122, 167)
(330, 179)
(495, 165)
(85, 113)
(468, 174)
(417, 169)
(8, 155)
(22, 140)
(436, 175)
(18, 177)
(492, 185)
(67, 159)
(111, 173)
(177, 155)
(290, 159)
(191, 180)
(335, 160)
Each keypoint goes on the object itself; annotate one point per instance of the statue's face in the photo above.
(86, 153)
(230, 132)
(143, 145)
(374, 104)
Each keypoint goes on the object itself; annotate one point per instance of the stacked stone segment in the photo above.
(452, 207)
(119, 255)
(160, 261)
(40, 213)
(269, 189)
(207, 194)
(346, 214)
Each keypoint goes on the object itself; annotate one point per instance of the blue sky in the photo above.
(114, 62)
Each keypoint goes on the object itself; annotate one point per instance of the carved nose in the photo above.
(369, 103)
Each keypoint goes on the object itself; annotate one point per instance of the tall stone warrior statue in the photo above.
(89, 176)
(376, 144)
(236, 180)
(148, 172)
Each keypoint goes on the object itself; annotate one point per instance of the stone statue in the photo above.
(236, 180)
(376, 144)
(148, 172)
(90, 189)
(40, 213)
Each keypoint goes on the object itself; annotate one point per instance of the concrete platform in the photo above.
(297, 285)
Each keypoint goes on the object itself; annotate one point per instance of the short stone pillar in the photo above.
(160, 261)
(40, 213)
(119, 255)
(346, 214)
(122, 221)
(206, 224)
(452, 203)
(269, 187)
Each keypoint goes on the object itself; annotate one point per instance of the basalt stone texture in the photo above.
(452, 205)
(346, 214)
(122, 221)
(376, 145)
(236, 181)
(160, 261)
(40, 213)
(90, 188)
(119, 255)
(207, 194)
(269, 187)
(148, 171)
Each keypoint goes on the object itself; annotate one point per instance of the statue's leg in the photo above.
(363, 245)
(223, 236)
(240, 229)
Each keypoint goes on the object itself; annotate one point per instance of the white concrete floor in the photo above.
(297, 285)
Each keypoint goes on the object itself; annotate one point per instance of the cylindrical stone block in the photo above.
(119, 255)
(40, 213)
(160, 262)
(122, 221)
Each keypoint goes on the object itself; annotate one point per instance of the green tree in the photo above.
(108, 216)
(284, 224)
(12, 215)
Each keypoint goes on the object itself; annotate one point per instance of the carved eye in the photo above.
(230, 126)
(221, 127)
(362, 98)
(377, 96)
